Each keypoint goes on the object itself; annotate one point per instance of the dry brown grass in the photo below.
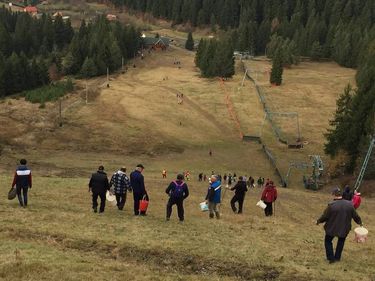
(137, 120)
(58, 237)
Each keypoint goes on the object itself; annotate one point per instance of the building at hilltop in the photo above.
(161, 43)
(31, 10)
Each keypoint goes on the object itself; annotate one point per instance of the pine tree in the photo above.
(224, 60)
(189, 45)
(277, 68)
(5, 40)
(354, 122)
(316, 51)
(88, 68)
(340, 123)
(2, 75)
(208, 65)
(200, 53)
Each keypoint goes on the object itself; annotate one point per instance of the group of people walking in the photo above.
(337, 216)
(119, 185)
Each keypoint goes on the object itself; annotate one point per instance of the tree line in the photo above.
(336, 29)
(354, 122)
(29, 46)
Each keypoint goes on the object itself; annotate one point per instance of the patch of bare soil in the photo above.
(159, 259)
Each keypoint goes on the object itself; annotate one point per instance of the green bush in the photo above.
(50, 92)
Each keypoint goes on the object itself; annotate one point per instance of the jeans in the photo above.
(329, 248)
(23, 202)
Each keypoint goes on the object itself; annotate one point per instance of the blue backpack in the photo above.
(178, 191)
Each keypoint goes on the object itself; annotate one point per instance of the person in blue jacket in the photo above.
(213, 197)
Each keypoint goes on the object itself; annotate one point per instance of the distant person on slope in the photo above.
(239, 195)
(269, 196)
(137, 183)
(23, 181)
(178, 191)
(213, 197)
(121, 184)
(98, 185)
(164, 173)
(337, 217)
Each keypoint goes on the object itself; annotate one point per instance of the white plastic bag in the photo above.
(203, 206)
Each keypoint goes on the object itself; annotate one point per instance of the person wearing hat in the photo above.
(178, 191)
(213, 197)
(269, 196)
(137, 183)
(337, 217)
(121, 184)
(239, 195)
(99, 185)
(23, 181)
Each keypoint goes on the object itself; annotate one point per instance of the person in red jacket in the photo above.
(269, 196)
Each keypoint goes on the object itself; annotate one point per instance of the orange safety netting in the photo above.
(230, 108)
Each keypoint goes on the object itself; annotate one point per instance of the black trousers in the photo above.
(23, 202)
(121, 199)
(329, 248)
(95, 196)
(268, 211)
(239, 199)
(137, 197)
(180, 207)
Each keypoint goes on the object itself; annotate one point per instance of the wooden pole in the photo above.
(243, 79)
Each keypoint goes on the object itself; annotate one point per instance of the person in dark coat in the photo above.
(178, 191)
(121, 184)
(23, 181)
(269, 196)
(337, 217)
(137, 182)
(347, 194)
(239, 195)
(99, 185)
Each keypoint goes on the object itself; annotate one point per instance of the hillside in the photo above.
(138, 120)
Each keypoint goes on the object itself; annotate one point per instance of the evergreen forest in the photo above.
(30, 48)
(337, 29)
